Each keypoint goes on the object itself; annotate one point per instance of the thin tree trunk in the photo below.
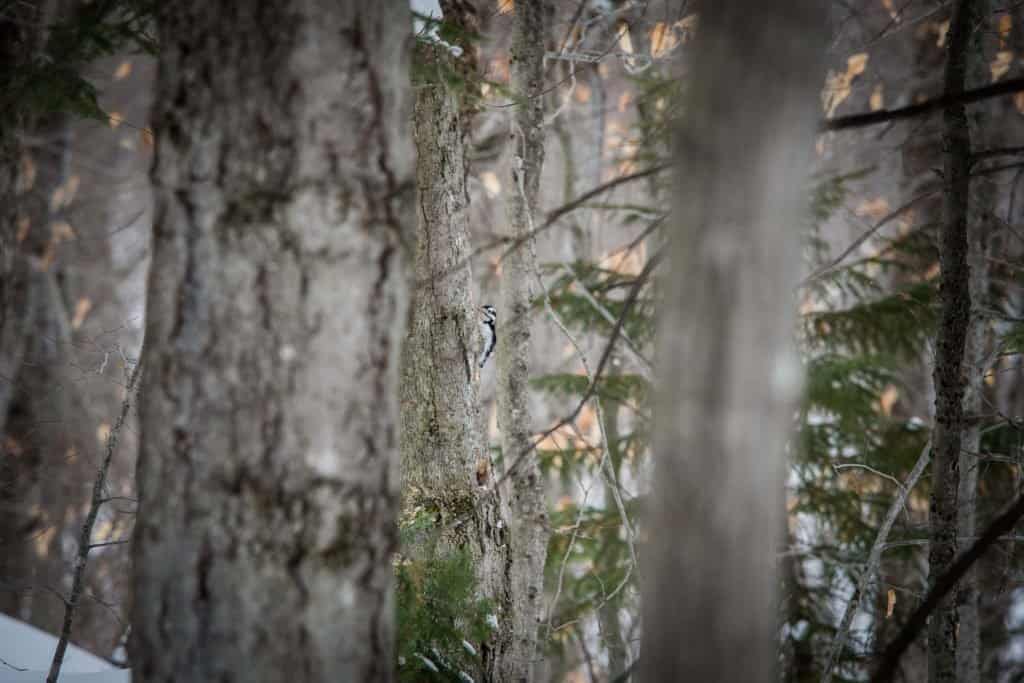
(728, 371)
(955, 303)
(976, 361)
(528, 505)
(277, 302)
(446, 466)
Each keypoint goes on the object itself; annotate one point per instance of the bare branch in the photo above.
(1007, 87)
(943, 585)
(874, 558)
(84, 545)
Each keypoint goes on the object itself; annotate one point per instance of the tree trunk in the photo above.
(446, 466)
(729, 373)
(954, 320)
(528, 505)
(277, 303)
(976, 361)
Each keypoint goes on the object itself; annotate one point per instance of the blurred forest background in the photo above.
(587, 251)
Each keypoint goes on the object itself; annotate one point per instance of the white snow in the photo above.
(26, 647)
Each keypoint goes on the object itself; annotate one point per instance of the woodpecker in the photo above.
(488, 332)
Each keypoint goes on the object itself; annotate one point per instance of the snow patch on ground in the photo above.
(26, 647)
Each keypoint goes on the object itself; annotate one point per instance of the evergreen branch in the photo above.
(634, 294)
(609, 318)
(834, 264)
(1007, 87)
(1001, 525)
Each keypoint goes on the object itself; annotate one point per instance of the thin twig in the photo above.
(603, 466)
(997, 528)
(627, 306)
(834, 264)
(874, 558)
(84, 545)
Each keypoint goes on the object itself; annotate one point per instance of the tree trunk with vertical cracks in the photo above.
(729, 374)
(446, 466)
(527, 502)
(954, 320)
(277, 302)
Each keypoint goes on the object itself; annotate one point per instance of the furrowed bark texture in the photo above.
(445, 459)
(268, 485)
(954, 320)
(527, 503)
(729, 375)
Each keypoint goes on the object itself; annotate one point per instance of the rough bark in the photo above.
(954, 320)
(728, 371)
(976, 362)
(277, 302)
(527, 502)
(976, 353)
(446, 466)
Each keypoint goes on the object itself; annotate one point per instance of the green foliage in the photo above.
(608, 288)
(441, 617)
(50, 80)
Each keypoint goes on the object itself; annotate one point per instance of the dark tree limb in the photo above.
(1007, 87)
(1001, 525)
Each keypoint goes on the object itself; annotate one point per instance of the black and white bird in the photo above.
(488, 333)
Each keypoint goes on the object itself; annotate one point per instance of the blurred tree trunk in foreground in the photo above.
(729, 373)
(268, 478)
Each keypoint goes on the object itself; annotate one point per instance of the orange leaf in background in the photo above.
(877, 100)
(1005, 25)
(124, 69)
(626, 261)
(506, 6)
(42, 540)
(890, 603)
(499, 69)
(82, 308)
(491, 183)
(64, 194)
(147, 137)
(888, 399)
(24, 223)
(941, 29)
(1018, 101)
(102, 432)
(664, 39)
(115, 119)
(61, 231)
(1000, 64)
(876, 208)
(624, 99)
(581, 93)
(838, 86)
(657, 37)
(687, 26)
(625, 44)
